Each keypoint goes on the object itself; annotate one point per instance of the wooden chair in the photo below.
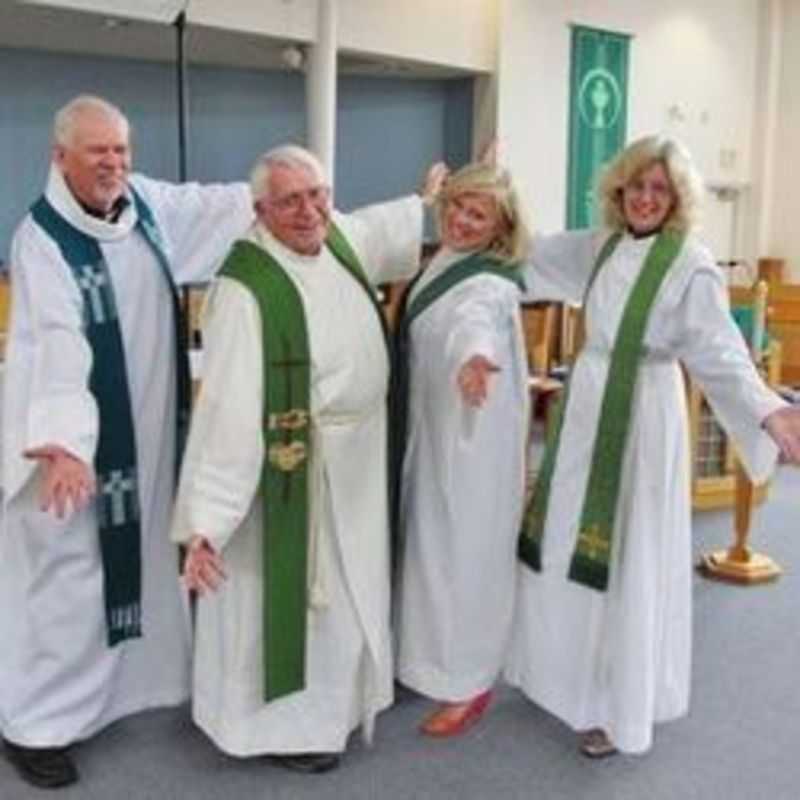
(540, 327)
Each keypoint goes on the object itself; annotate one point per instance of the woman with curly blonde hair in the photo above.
(462, 348)
(602, 634)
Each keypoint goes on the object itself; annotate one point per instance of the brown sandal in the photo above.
(596, 744)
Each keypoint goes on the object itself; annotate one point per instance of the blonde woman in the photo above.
(462, 490)
(602, 634)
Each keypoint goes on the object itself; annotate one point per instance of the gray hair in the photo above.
(287, 155)
(66, 119)
(639, 156)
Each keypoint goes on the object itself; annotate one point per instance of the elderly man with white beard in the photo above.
(92, 617)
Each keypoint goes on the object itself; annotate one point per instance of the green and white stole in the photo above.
(284, 475)
(469, 267)
(590, 560)
(115, 463)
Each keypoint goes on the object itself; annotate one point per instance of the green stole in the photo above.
(115, 464)
(590, 560)
(287, 445)
(469, 267)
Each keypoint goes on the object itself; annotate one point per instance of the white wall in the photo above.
(783, 234)
(151, 10)
(692, 74)
(283, 19)
(706, 72)
(453, 33)
(456, 33)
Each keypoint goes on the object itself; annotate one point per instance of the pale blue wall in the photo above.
(389, 129)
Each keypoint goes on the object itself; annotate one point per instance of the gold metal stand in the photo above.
(739, 564)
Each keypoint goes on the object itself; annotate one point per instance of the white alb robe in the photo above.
(59, 682)
(349, 654)
(620, 659)
(463, 487)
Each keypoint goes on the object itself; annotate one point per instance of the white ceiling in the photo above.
(32, 24)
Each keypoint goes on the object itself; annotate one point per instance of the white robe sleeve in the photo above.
(559, 266)
(224, 454)
(198, 221)
(713, 351)
(387, 238)
(479, 314)
(61, 410)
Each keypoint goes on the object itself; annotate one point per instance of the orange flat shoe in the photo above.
(453, 719)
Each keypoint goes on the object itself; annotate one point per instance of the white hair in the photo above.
(287, 155)
(67, 118)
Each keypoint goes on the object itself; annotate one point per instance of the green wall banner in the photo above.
(597, 115)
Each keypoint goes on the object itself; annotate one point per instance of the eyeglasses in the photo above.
(293, 202)
(656, 188)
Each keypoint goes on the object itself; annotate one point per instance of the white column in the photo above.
(765, 126)
(321, 87)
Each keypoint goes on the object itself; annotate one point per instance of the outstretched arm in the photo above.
(714, 353)
(224, 453)
(199, 222)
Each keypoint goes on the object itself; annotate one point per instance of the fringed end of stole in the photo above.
(589, 572)
(530, 552)
(124, 622)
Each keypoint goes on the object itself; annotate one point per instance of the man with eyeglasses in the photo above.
(282, 501)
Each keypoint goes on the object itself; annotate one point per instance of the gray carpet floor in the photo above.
(739, 741)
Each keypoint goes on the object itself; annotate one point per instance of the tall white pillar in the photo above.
(765, 125)
(321, 87)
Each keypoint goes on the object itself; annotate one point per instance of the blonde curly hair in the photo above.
(510, 246)
(640, 155)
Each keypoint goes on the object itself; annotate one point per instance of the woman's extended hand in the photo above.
(473, 380)
(783, 426)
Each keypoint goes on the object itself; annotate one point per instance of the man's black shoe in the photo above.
(309, 763)
(45, 767)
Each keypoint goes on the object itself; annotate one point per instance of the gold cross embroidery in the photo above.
(292, 420)
(593, 544)
(287, 457)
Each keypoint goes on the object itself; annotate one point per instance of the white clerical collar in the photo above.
(260, 235)
(61, 198)
(642, 237)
